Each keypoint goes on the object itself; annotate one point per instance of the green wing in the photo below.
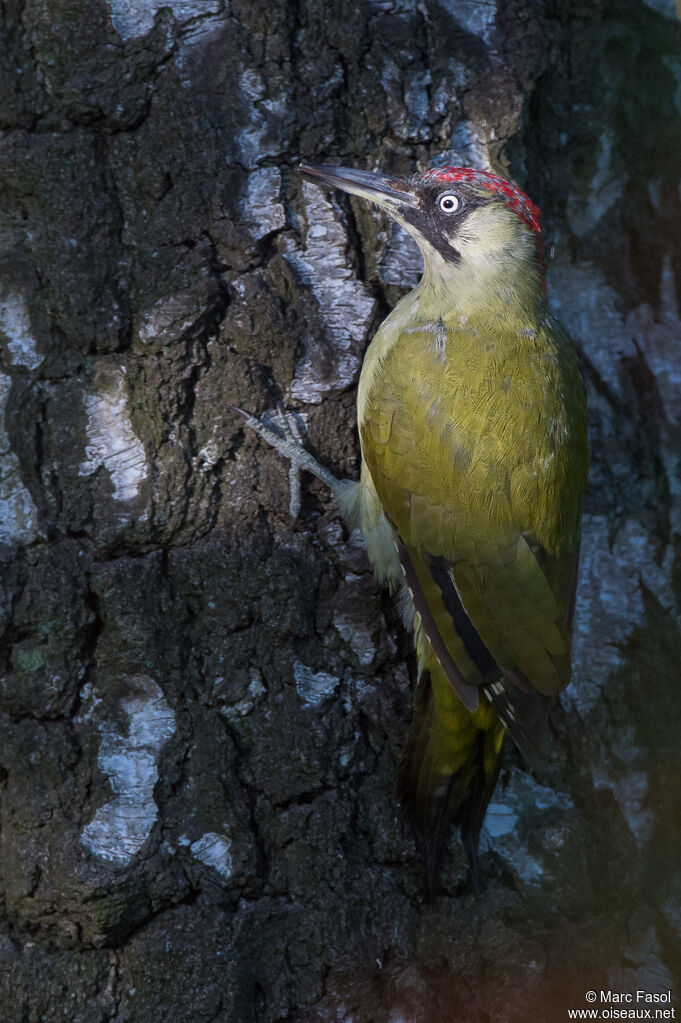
(477, 450)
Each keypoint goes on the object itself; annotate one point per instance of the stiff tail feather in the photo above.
(448, 770)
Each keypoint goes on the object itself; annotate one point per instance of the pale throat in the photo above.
(449, 291)
(494, 272)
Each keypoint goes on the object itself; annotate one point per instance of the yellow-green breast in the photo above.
(474, 435)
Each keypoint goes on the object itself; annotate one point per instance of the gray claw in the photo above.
(286, 438)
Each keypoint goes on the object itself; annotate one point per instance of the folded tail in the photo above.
(449, 769)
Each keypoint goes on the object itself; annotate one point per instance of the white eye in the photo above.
(449, 203)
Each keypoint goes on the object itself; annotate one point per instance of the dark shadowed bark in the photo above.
(202, 705)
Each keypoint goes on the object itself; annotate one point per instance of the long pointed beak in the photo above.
(390, 193)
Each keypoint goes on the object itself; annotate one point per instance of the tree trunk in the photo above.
(203, 705)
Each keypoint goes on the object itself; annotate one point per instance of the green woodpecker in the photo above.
(472, 423)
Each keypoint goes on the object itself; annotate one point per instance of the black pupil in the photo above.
(447, 204)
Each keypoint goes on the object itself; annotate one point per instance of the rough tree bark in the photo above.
(202, 705)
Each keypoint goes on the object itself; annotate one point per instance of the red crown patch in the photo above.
(512, 196)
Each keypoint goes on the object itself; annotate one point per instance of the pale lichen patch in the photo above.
(263, 212)
(256, 689)
(345, 304)
(129, 759)
(134, 18)
(15, 328)
(506, 821)
(313, 687)
(477, 16)
(401, 262)
(355, 632)
(257, 139)
(214, 850)
(111, 441)
(469, 146)
(350, 620)
(500, 820)
(18, 513)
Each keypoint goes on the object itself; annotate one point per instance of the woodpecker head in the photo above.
(474, 229)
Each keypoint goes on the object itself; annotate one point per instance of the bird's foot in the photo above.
(286, 437)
